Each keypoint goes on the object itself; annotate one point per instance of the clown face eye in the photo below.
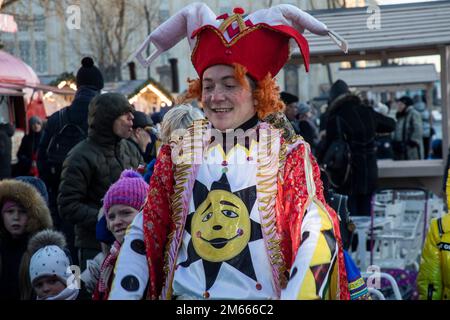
(207, 217)
(229, 214)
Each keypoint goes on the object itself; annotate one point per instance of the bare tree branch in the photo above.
(109, 28)
(7, 3)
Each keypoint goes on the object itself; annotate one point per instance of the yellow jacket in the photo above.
(433, 280)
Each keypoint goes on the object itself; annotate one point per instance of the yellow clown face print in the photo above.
(220, 227)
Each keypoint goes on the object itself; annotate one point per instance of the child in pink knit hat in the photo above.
(122, 202)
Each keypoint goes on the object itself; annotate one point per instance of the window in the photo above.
(24, 51)
(22, 24)
(41, 56)
(39, 23)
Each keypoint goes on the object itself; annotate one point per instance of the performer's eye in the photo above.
(207, 217)
(229, 214)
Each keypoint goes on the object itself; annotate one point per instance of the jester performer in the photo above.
(236, 207)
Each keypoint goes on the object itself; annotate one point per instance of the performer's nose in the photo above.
(217, 227)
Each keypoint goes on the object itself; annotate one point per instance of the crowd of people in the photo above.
(226, 201)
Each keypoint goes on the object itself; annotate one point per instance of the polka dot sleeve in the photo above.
(131, 270)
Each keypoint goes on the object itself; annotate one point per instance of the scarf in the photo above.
(66, 294)
(107, 269)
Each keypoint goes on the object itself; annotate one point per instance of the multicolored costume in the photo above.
(228, 213)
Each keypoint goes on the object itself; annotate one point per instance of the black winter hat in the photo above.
(89, 75)
(406, 100)
(104, 109)
(338, 88)
(37, 183)
(288, 98)
(141, 120)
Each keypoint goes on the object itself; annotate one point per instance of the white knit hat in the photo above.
(48, 261)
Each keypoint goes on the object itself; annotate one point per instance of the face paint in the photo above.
(220, 227)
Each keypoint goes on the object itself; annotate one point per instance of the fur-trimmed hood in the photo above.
(31, 200)
(344, 99)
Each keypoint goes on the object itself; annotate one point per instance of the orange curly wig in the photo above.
(266, 93)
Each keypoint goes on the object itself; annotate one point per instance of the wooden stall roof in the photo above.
(389, 75)
(420, 28)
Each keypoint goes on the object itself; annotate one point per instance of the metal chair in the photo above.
(378, 276)
(399, 245)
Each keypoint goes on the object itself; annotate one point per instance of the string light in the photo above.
(153, 89)
(62, 84)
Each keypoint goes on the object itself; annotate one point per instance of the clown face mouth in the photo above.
(222, 110)
(219, 243)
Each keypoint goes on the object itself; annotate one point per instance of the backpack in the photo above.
(68, 136)
(337, 159)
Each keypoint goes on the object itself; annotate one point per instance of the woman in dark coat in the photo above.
(27, 153)
(359, 125)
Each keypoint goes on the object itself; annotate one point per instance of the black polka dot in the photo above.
(305, 235)
(43, 264)
(287, 275)
(294, 272)
(138, 246)
(130, 283)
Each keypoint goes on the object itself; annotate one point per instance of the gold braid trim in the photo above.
(266, 193)
(235, 17)
(183, 173)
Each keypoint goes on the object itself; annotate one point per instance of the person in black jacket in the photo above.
(28, 149)
(6, 132)
(359, 125)
(89, 81)
(93, 165)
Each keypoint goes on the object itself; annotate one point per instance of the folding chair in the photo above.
(400, 245)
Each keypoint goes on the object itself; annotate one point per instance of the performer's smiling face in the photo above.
(220, 227)
(227, 104)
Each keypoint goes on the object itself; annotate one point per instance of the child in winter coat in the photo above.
(121, 204)
(50, 272)
(23, 213)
